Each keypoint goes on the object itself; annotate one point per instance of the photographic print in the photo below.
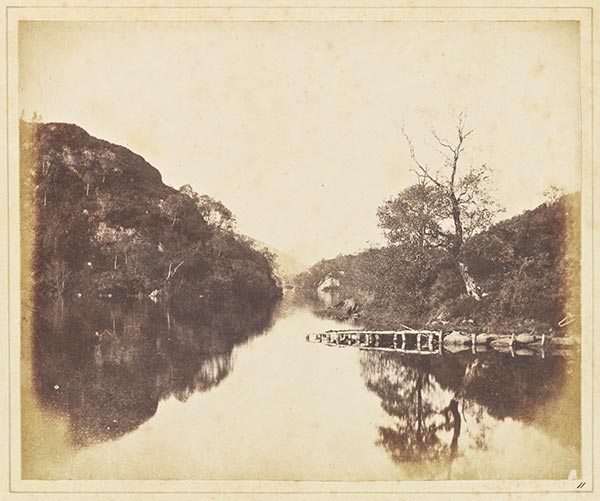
(321, 249)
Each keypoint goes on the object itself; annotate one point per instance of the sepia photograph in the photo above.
(299, 249)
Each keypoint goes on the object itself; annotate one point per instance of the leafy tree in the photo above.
(414, 217)
(553, 194)
(89, 178)
(172, 207)
(213, 211)
(216, 214)
(118, 241)
(55, 276)
(445, 207)
(46, 178)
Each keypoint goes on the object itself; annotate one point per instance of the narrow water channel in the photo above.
(130, 392)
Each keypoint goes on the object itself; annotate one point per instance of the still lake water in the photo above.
(130, 391)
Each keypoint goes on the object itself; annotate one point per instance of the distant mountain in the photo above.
(102, 222)
(286, 265)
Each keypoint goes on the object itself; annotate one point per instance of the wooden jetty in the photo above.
(422, 342)
(428, 342)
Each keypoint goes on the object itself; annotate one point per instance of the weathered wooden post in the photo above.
(395, 341)
(403, 341)
(419, 342)
(430, 341)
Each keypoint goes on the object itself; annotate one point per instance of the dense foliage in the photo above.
(528, 267)
(105, 224)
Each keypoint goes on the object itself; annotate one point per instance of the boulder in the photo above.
(501, 342)
(329, 283)
(485, 339)
(526, 338)
(456, 339)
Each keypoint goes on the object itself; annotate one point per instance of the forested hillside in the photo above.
(103, 223)
(528, 268)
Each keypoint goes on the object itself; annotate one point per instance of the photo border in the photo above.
(347, 13)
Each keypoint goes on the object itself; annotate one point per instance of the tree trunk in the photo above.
(470, 285)
(419, 408)
(453, 410)
(172, 270)
(458, 229)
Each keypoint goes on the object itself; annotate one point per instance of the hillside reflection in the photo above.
(105, 366)
(442, 408)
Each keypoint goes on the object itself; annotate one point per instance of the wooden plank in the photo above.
(405, 352)
(386, 332)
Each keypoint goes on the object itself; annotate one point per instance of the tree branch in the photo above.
(423, 171)
(443, 142)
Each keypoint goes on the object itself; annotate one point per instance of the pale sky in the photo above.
(295, 126)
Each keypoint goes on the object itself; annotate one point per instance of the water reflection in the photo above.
(106, 366)
(445, 407)
(290, 409)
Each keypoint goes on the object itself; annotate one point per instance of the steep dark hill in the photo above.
(103, 223)
(531, 262)
(528, 266)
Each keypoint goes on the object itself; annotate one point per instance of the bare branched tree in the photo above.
(446, 206)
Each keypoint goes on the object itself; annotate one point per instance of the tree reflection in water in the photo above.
(106, 366)
(441, 406)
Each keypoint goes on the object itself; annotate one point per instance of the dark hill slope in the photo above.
(103, 222)
(531, 263)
